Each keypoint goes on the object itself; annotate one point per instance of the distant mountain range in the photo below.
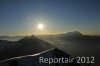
(16, 38)
(76, 44)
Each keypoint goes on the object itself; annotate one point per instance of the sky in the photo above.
(21, 17)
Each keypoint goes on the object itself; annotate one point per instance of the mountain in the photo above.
(73, 43)
(25, 46)
(74, 33)
(77, 44)
(39, 59)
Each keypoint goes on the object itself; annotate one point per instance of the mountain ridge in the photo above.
(27, 45)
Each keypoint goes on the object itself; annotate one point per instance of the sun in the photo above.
(40, 26)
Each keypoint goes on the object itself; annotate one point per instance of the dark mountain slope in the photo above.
(25, 46)
(34, 60)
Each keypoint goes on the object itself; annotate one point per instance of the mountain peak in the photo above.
(29, 38)
(74, 33)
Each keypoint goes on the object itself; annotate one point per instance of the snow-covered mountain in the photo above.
(74, 33)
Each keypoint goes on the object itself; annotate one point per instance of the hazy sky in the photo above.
(21, 17)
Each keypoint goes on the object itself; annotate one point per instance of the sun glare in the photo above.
(40, 26)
